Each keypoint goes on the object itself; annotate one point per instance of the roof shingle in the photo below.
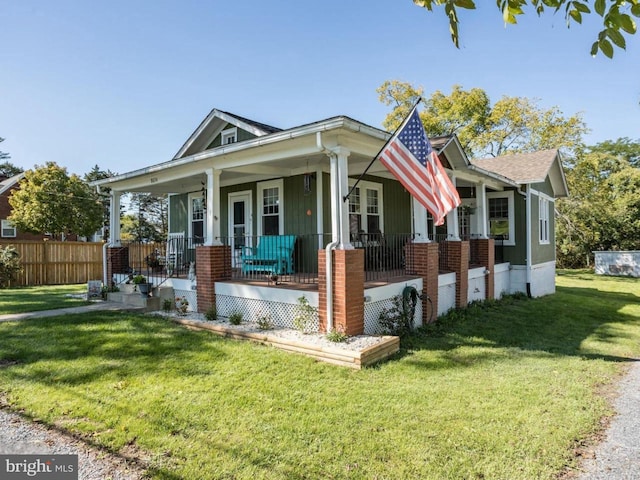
(521, 167)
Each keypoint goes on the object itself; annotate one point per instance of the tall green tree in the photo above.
(8, 170)
(511, 125)
(603, 209)
(152, 212)
(617, 16)
(3, 155)
(51, 201)
(104, 196)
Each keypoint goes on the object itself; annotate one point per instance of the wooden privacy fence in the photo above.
(57, 263)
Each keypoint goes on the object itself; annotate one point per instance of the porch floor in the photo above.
(309, 282)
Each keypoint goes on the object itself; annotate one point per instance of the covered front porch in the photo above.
(292, 211)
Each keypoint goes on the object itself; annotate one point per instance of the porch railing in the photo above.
(385, 255)
(275, 259)
(156, 260)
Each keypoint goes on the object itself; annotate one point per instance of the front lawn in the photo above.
(44, 297)
(502, 392)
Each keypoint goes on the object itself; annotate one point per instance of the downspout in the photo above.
(105, 245)
(335, 236)
(105, 280)
(528, 219)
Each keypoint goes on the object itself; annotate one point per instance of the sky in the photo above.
(123, 84)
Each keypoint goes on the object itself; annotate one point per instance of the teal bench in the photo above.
(273, 254)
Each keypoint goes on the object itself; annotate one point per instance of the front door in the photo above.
(239, 224)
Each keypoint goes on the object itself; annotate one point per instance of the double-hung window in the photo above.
(8, 230)
(197, 218)
(543, 214)
(270, 208)
(365, 209)
(501, 217)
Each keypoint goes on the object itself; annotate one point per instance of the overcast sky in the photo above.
(122, 84)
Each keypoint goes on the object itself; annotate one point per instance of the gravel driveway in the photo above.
(618, 456)
(19, 436)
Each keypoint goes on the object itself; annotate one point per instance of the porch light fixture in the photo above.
(308, 177)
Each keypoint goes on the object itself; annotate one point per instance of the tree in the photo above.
(152, 211)
(511, 125)
(136, 228)
(9, 265)
(49, 200)
(4, 155)
(104, 196)
(616, 16)
(603, 211)
(8, 169)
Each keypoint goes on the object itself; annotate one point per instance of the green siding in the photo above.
(542, 253)
(242, 136)
(397, 207)
(178, 213)
(299, 208)
(517, 254)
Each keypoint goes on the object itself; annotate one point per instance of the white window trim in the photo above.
(261, 186)
(6, 224)
(543, 216)
(229, 132)
(363, 185)
(510, 205)
(190, 216)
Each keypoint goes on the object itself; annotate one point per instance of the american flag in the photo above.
(410, 158)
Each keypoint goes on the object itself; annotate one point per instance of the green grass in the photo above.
(499, 392)
(33, 299)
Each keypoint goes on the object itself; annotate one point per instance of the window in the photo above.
(228, 136)
(543, 214)
(197, 218)
(501, 217)
(365, 209)
(270, 208)
(8, 230)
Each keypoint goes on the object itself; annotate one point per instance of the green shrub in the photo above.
(337, 336)
(397, 319)
(167, 305)
(306, 315)
(108, 289)
(235, 318)
(211, 314)
(264, 321)
(9, 265)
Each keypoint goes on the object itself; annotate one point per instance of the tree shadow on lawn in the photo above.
(107, 343)
(582, 322)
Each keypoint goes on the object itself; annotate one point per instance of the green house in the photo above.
(251, 187)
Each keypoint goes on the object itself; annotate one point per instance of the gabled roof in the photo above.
(7, 183)
(528, 168)
(212, 125)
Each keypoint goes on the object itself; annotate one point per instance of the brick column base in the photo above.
(213, 264)
(424, 262)
(348, 291)
(117, 261)
(458, 261)
(486, 256)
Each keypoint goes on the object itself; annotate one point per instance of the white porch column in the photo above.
(481, 214)
(420, 225)
(343, 207)
(114, 218)
(213, 207)
(453, 229)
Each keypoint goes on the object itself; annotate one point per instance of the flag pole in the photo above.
(346, 197)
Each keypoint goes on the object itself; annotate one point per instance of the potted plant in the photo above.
(144, 287)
